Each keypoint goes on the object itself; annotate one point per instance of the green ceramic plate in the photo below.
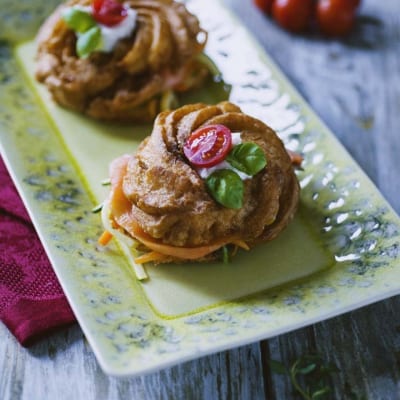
(340, 253)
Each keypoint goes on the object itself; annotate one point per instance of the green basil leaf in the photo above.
(78, 20)
(88, 42)
(247, 157)
(226, 188)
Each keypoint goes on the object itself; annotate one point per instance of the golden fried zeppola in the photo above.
(124, 84)
(167, 199)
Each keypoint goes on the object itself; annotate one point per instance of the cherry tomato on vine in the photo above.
(207, 146)
(336, 17)
(264, 5)
(108, 12)
(293, 15)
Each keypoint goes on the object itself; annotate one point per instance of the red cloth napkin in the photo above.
(32, 302)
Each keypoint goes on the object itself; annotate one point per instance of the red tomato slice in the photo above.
(108, 12)
(207, 146)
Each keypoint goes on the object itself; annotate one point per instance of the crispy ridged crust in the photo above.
(121, 85)
(170, 201)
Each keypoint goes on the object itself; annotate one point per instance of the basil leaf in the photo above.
(226, 188)
(88, 42)
(78, 20)
(247, 157)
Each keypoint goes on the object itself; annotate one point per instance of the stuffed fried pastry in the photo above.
(209, 177)
(120, 61)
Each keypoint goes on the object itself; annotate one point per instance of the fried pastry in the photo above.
(208, 177)
(114, 61)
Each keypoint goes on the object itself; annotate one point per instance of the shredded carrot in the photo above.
(148, 257)
(241, 243)
(105, 237)
(295, 158)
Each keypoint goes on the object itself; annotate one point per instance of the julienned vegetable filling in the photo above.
(195, 191)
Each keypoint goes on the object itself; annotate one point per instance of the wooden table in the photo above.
(354, 85)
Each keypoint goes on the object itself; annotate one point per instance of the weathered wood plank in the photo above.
(354, 85)
(363, 344)
(64, 367)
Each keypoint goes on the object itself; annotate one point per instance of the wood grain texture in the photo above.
(354, 85)
(63, 367)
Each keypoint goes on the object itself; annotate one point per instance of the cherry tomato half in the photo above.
(336, 17)
(264, 5)
(207, 146)
(293, 15)
(108, 12)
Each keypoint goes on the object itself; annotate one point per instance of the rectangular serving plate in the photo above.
(340, 253)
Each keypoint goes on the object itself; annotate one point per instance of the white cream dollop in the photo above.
(110, 35)
(206, 172)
